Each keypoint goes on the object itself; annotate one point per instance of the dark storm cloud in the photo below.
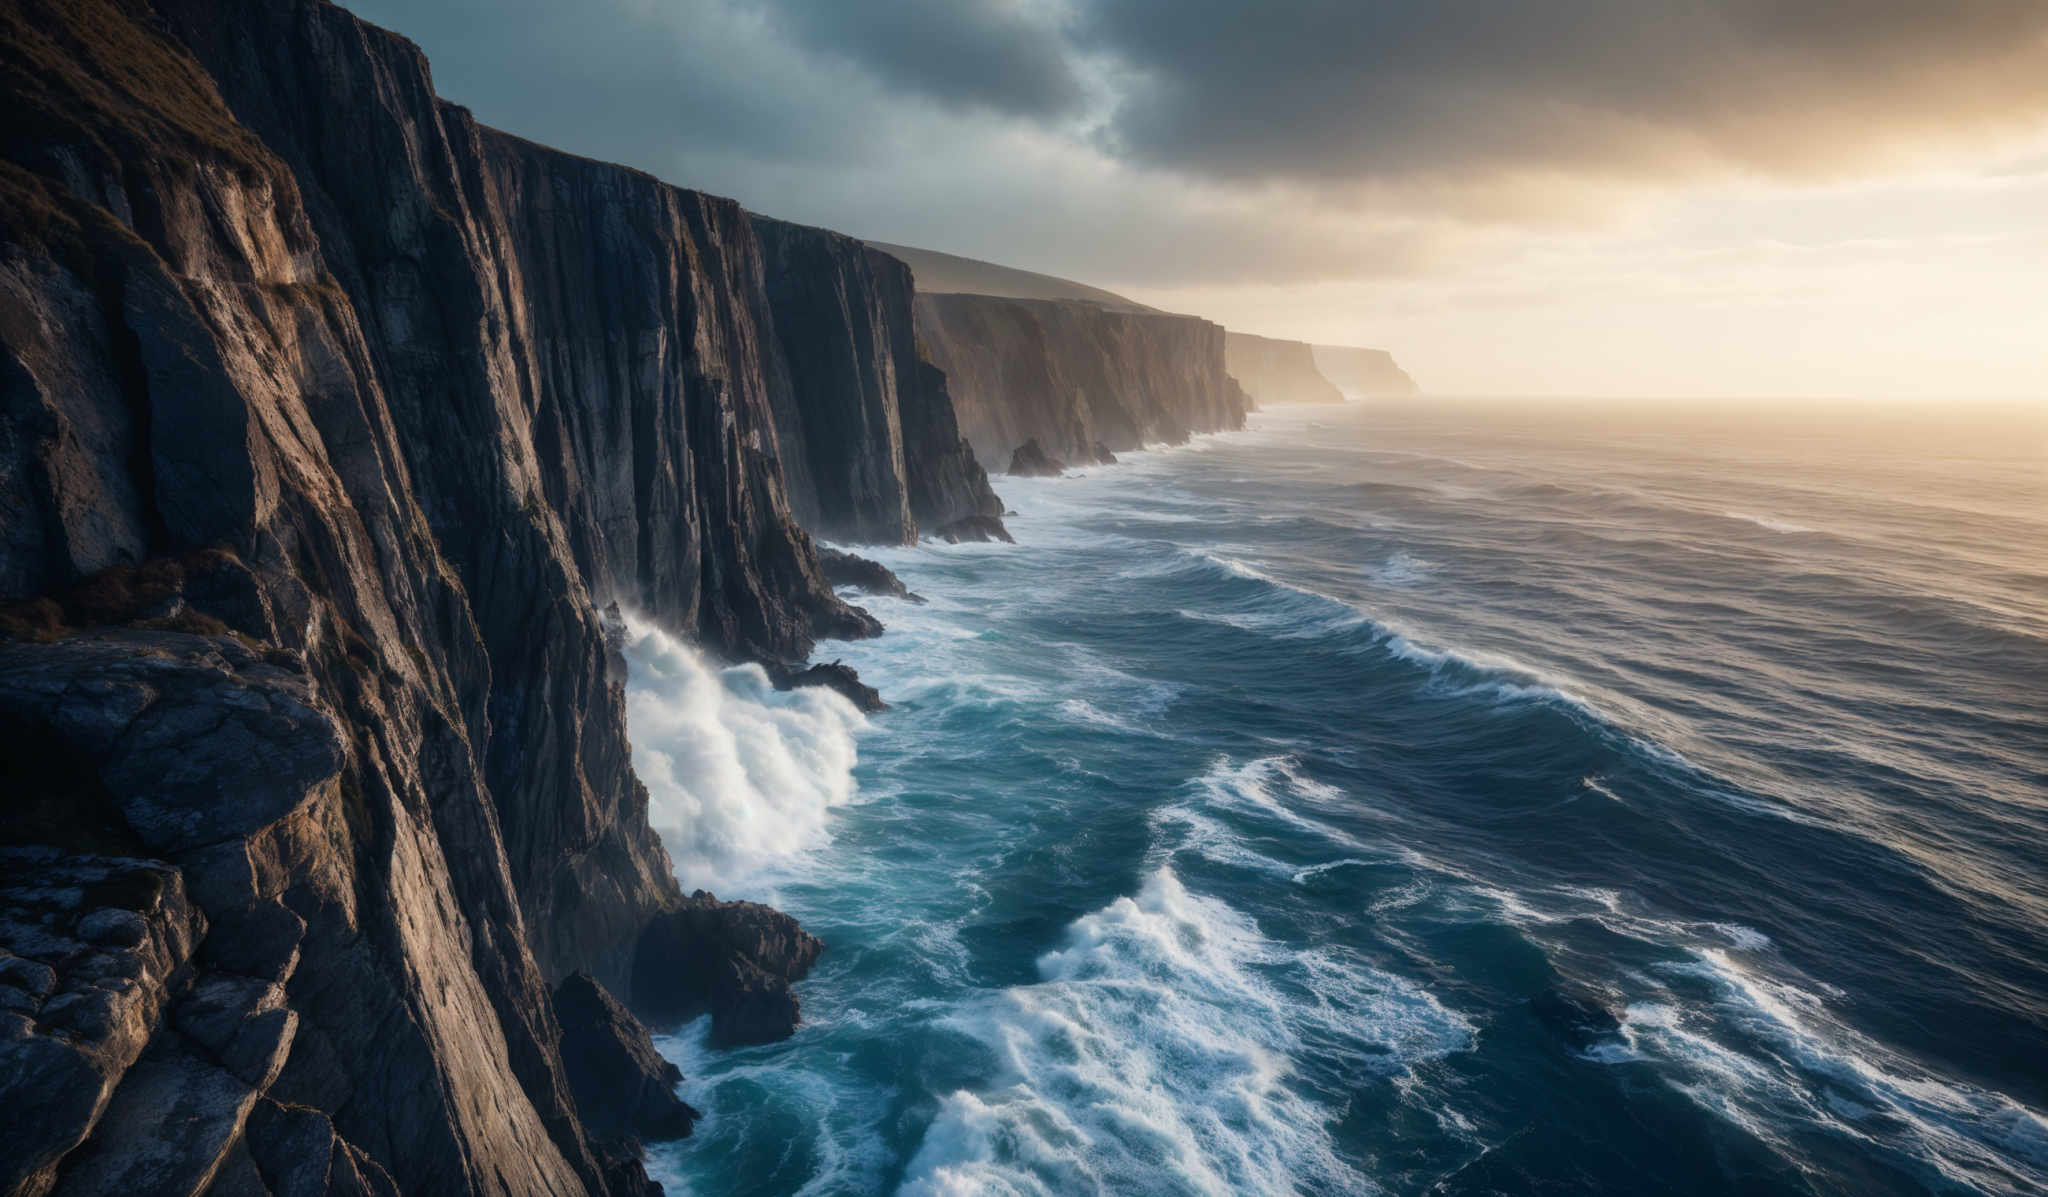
(1173, 142)
(1310, 91)
(982, 53)
(1362, 89)
(652, 83)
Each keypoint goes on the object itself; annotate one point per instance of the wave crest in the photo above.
(738, 774)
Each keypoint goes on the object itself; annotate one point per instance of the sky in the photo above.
(1594, 197)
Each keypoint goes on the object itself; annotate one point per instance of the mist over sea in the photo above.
(1426, 797)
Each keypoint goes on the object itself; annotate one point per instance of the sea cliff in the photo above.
(1275, 371)
(1079, 379)
(1364, 372)
(870, 448)
(334, 429)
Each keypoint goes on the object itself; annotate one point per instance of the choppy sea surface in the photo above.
(1428, 797)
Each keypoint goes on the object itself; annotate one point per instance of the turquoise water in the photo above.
(1455, 798)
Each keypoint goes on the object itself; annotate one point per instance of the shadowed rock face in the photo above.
(1080, 379)
(1277, 372)
(869, 577)
(625, 1091)
(732, 960)
(1030, 461)
(870, 448)
(330, 422)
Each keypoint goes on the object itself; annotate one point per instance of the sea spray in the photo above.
(738, 774)
(1155, 1054)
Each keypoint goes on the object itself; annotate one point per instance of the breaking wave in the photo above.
(739, 775)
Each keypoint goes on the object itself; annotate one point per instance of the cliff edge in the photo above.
(332, 425)
(1080, 380)
(1365, 373)
(1276, 371)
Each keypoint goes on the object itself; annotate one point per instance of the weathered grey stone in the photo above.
(168, 1129)
(196, 739)
(241, 1022)
(297, 1153)
(94, 1010)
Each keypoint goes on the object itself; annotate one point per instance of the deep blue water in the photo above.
(1457, 797)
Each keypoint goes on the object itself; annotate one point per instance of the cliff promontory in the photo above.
(1277, 372)
(870, 448)
(1078, 378)
(1366, 373)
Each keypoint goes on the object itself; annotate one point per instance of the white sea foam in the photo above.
(1822, 1072)
(1493, 674)
(1765, 522)
(1156, 1047)
(1401, 570)
(738, 774)
(850, 1152)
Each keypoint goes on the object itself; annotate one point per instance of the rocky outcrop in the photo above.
(96, 949)
(625, 1091)
(835, 676)
(1366, 373)
(869, 445)
(732, 960)
(330, 424)
(1074, 375)
(1277, 372)
(975, 528)
(1031, 461)
(869, 577)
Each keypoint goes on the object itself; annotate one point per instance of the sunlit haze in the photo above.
(1740, 197)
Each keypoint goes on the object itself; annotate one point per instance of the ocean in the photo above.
(1444, 797)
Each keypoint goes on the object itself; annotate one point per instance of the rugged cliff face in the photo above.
(1080, 380)
(1274, 371)
(870, 448)
(331, 423)
(1364, 372)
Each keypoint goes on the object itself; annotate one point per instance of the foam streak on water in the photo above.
(1453, 798)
